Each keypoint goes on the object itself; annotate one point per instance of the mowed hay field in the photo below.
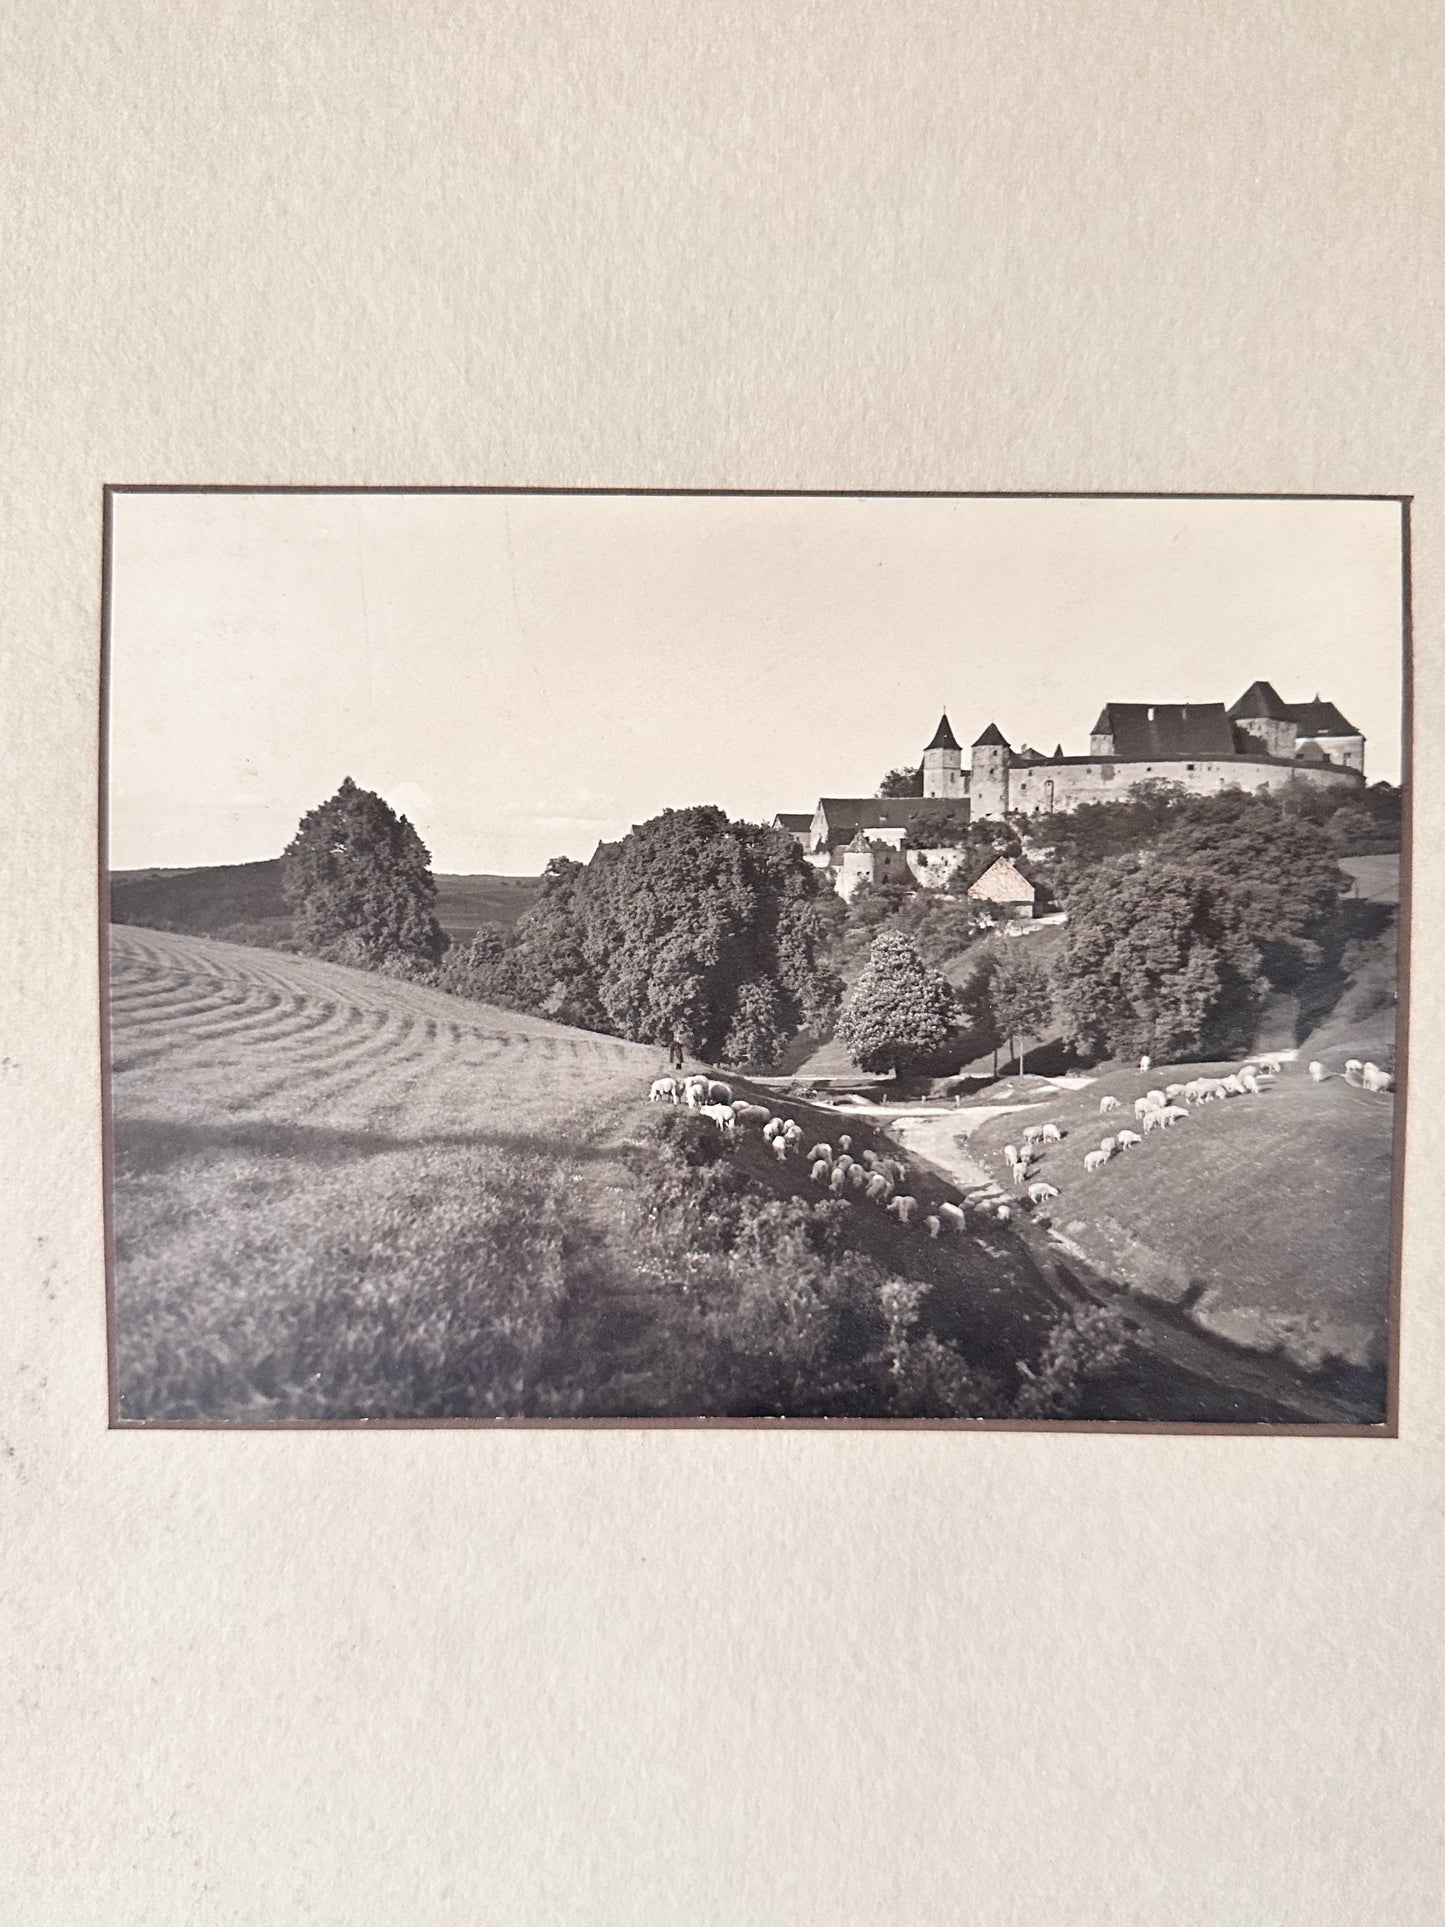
(339, 1197)
(330, 1187)
(1265, 1220)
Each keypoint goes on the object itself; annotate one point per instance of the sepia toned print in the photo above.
(583, 958)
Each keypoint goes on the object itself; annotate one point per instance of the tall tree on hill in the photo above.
(903, 782)
(1159, 959)
(901, 1010)
(1022, 999)
(359, 881)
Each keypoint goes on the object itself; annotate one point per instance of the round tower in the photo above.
(943, 763)
(988, 785)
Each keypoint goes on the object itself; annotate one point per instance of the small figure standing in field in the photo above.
(675, 1053)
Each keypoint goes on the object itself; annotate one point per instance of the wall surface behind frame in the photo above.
(713, 1677)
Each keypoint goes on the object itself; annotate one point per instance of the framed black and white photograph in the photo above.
(588, 957)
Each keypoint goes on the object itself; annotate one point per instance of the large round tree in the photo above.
(901, 1010)
(358, 878)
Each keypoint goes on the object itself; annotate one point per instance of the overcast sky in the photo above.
(523, 675)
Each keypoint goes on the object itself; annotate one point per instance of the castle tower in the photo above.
(988, 786)
(1260, 715)
(943, 763)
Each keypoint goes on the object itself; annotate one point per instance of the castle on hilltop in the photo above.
(1258, 743)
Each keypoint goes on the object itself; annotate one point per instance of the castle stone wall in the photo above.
(1037, 788)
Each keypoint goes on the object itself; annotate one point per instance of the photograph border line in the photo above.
(1389, 1429)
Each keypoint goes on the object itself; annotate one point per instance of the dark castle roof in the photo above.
(846, 815)
(794, 819)
(991, 739)
(1319, 719)
(1261, 701)
(943, 736)
(1159, 732)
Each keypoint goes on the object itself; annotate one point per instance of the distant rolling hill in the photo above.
(242, 902)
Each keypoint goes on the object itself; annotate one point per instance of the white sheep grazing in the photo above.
(664, 1091)
(1234, 1084)
(954, 1214)
(1004, 1214)
(1041, 1193)
(1173, 1112)
(1171, 1091)
(1127, 1138)
(793, 1132)
(1374, 1079)
(772, 1128)
(1157, 1097)
(1095, 1160)
(822, 1151)
(844, 1161)
(780, 1149)
(1354, 1070)
(1142, 1107)
(1051, 1134)
(1317, 1073)
(1034, 1135)
(1251, 1083)
(1247, 1070)
(1274, 1065)
(751, 1113)
(1108, 1104)
(1144, 1064)
(721, 1115)
(1107, 1146)
(902, 1208)
(1011, 1153)
(896, 1169)
(845, 1144)
(837, 1179)
(1153, 1119)
(870, 1158)
(858, 1176)
(718, 1092)
(820, 1171)
(877, 1188)
(694, 1092)
(932, 1225)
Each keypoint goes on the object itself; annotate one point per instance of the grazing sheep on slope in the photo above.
(822, 1151)
(1095, 1160)
(1108, 1104)
(820, 1171)
(932, 1225)
(1107, 1146)
(718, 1092)
(902, 1208)
(1142, 1107)
(877, 1187)
(1374, 1079)
(845, 1144)
(1050, 1134)
(664, 1091)
(1041, 1193)
(780, 1149)
(954, 1214)
(1128, 1138)
(1317, 1073)
(1034, 1135)
(838, 1179)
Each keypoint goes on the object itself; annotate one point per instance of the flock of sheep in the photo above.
(870, 1177)
(876, 1179)
(1161, 1109)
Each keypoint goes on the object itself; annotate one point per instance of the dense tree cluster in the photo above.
(358, 880)
(692, 927)
(1159, 958)
(903, 782)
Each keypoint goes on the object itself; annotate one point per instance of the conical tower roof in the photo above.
(943, 736)
(1259, 701)
(991, 738)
